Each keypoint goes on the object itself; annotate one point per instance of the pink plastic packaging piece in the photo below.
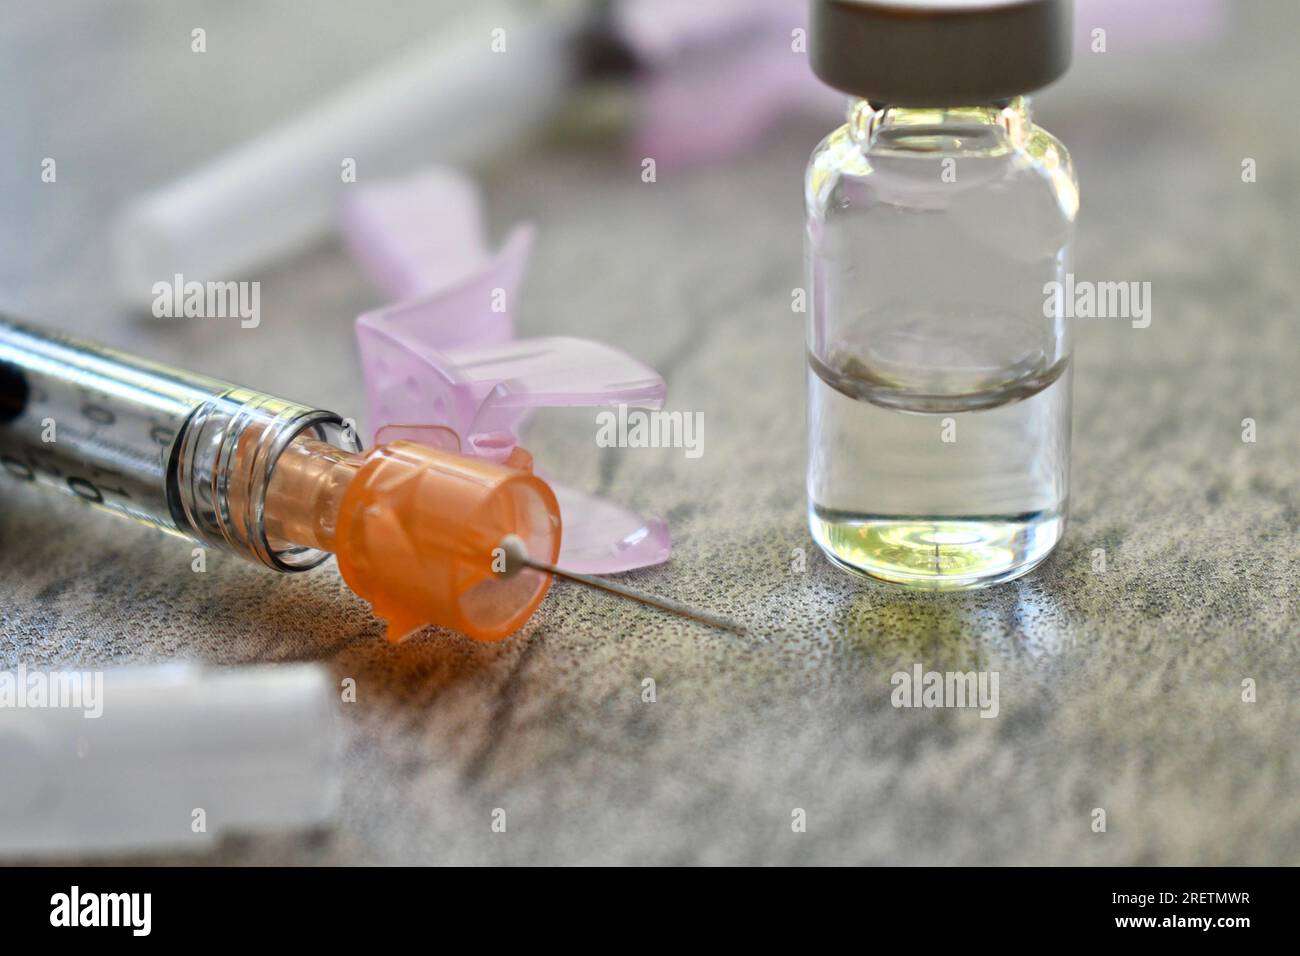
(717, 76)
(443, 367)
(388, 230)
(1149, 25)
(602, 537)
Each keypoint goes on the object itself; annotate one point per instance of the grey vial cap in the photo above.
(940, 52)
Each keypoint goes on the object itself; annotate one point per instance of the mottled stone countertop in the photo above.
(1119, 689)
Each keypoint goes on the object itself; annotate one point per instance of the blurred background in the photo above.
(119, 98)
(1120, 690)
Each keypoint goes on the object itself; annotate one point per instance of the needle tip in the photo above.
(516, 554)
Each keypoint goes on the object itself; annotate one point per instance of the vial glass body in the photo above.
(938, 375)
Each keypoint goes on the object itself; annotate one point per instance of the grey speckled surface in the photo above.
(1119, 690)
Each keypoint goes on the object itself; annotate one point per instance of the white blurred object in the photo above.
(254, 749)
(449, 99)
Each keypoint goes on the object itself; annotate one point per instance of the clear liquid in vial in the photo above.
(944, 492)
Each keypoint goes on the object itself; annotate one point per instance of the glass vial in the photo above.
(938, 380)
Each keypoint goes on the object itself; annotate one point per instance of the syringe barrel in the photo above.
(188, 454)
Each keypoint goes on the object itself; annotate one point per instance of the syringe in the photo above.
(426, 536)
